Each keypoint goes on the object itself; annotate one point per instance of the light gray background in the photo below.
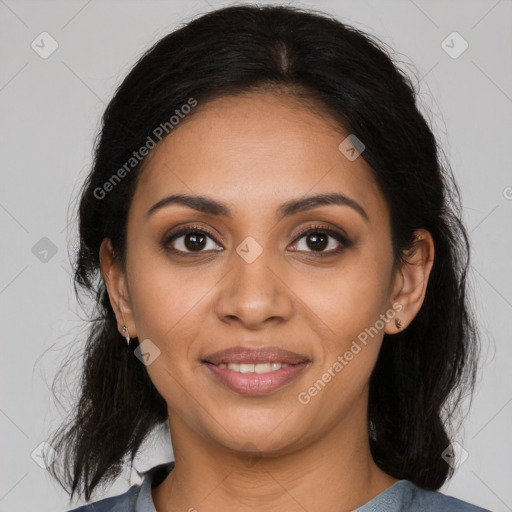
(50, 110)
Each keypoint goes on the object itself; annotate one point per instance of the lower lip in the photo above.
(255, 384)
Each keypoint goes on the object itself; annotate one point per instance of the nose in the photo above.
(254, 293)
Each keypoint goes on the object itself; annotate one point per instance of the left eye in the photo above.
(319, 239)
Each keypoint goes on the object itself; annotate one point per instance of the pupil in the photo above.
(319, 241)
(192, 241)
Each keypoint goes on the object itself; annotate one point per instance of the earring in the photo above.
(125, 331)
(398, 323)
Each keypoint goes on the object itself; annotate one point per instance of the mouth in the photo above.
(255, 372)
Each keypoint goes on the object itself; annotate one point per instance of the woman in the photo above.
(279, 265)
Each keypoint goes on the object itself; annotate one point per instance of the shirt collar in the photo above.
(152, 477)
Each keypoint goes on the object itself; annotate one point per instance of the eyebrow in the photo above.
(212, 207)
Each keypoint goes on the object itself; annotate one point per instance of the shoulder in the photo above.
(124, 502)
(439, 501)
(426, 500)
(405, 496)
(136, 499)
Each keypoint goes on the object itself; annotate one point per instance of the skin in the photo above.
(233, 452)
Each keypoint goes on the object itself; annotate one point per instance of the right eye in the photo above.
(188, 241)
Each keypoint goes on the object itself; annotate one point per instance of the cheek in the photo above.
(347, 298)
(171, 305)
(165, 296)
(350, 328)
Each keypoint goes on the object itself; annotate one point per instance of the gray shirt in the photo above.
(402, 496)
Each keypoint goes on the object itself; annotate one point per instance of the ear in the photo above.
(115, 282)
(410, 281)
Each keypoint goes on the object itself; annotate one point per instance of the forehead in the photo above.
(256, 149)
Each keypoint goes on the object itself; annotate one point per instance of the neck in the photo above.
(325, 474)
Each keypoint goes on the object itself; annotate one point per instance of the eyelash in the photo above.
(343, 240)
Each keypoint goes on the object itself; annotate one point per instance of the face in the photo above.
(256, 274)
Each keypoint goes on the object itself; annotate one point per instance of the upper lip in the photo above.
(253, 356)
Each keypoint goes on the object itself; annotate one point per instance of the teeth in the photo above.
(253, 368)
(265, 367)
(245, 368)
